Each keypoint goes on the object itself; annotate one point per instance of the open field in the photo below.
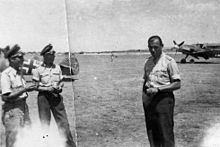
(108, 102)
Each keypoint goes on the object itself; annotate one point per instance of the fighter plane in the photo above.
(204, 50)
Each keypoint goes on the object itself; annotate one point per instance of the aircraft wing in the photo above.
(205, 54)
(184, 51)
(194, 53)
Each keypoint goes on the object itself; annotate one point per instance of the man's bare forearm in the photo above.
(13, 96)
(39, 87)
(171, 87)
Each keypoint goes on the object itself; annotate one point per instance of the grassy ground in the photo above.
(108, 102)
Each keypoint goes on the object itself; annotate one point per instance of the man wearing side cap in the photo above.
(48, 78)
(14, 94)
(161, 78)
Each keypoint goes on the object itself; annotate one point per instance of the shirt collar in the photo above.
(13, 70)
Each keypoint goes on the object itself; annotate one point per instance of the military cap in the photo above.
(14, 52)
(47, 49)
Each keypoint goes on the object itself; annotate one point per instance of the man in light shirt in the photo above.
(48, 78)
(161, 78)
(14, 93)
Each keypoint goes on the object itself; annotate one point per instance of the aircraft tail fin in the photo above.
(66, 65)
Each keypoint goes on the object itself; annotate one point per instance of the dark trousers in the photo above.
(159, 120)
(46, 103)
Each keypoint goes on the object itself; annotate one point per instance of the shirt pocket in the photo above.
(45, 77)
(56, 76)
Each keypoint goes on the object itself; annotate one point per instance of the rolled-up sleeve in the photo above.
(173, 69)
(5, 84)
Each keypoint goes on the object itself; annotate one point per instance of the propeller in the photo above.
(181, 43)
(174, 42)
(176, 46)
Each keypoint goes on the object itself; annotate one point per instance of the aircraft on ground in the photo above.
(204, 50)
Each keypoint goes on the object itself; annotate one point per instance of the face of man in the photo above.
(49, 58)
(155, 47)
(17, 61)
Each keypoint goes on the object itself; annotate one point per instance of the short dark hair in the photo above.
(155, 37)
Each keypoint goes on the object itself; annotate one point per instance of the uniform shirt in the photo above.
(11, 81)
(47, 76)
(162, 73)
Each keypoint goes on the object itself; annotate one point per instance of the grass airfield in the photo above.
(108, 105)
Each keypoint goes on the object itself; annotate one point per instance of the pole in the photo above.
(70, 65)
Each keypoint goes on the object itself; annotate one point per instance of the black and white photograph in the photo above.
(110, 73)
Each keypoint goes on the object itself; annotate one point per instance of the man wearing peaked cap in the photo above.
(47, 49)
(14, 95)
(48, 78)
(14, 52)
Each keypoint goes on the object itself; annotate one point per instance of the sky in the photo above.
(103, 25)
(33, 24)
(127, 24)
